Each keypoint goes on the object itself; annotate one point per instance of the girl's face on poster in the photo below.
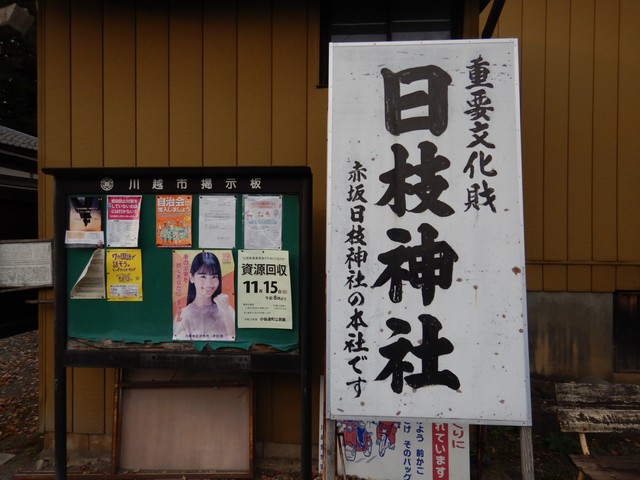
(206, 283)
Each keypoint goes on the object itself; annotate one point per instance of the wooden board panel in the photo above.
(219, 83)
(86, 84)
(316, 156)
(285, 412)
(289, 82)
(556, 130)
(628, 138)
(534, 278)
(596, 420)
(627, 277)
(213, 434)
(185, 83)
(605, 147)
(532, 90)
(88, 400)
(54, 151)
(608, 467)
(152, 83)
(603, 278)
(119, 84)
(579, 142)
(598, 394)
(55, 146)
(254, 84)
(579, 278)
(554, 278)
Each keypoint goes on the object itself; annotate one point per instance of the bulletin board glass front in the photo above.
(180, 262)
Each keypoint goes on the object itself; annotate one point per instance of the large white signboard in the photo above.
(425, 263)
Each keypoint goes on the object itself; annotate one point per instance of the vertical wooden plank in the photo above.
(579, 278)
(317, 161)
(580, 144)
(605, 127)
(628, 137)
(219, 83)
(54, 55)
(119, 80)
(510, 23)
(88, 400)
(534, 278)
(556, 130)
(264, 420)
(532, 96)
(56, 88)
(86, 151)
(152, 83)
(185, 83)
(289, 82)
(254, 83)
(286, 401)
(555, 143)
(603, 278)
(86, 83)
(109, 399)
(627, 277)
(554, 278)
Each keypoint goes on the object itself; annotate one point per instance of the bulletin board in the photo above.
(112, 331)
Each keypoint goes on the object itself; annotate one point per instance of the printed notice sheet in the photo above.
(173, 220)
(90, 284)
(25, 263)
(263, 222)
(217, 221)
(123, 220)
(124, 275)
(264, 285)
(85, 222)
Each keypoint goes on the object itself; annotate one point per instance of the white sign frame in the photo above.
(482, 312)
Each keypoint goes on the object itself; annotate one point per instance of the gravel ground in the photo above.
(20, 438)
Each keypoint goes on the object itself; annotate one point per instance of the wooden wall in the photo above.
(580, 74)
(180, 83)
(140, 83)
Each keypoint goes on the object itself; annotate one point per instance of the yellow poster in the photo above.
(173, 220)
(124, 275)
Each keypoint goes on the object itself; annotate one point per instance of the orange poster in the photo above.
(173, 220)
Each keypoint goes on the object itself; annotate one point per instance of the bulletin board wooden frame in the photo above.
(286, 352)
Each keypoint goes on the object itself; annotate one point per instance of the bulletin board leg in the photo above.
(60, 436)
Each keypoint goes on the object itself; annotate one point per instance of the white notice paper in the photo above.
(217, 221)
(91, 282)
(263, 222)
(264, 289)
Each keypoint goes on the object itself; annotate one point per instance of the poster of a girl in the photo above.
(207, 315)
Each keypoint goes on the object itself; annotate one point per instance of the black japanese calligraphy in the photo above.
(436, 99)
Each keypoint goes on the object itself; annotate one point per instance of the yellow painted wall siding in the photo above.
(579, 152)
(152, 83)
(185, 83)
(219, 72)
(579, 72)
(119, 91)
(142, 84)
(628, 138)
(605, 144)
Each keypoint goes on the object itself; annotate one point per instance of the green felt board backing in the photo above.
(150, 321)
